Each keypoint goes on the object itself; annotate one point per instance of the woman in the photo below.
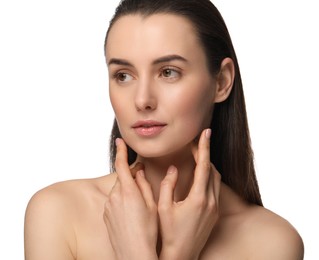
(184, 184)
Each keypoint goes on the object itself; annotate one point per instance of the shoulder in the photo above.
(62, 194)
(52, 213)
(271, 236)
(67, 196)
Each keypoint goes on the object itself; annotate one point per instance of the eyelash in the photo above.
(171, 70)
(119, 74)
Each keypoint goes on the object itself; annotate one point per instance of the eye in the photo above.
(123, 77)
(169, 73)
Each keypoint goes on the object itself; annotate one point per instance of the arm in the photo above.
(46, 234)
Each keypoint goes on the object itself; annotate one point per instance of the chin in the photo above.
(163, 145)
(162, 152)
(150, 154)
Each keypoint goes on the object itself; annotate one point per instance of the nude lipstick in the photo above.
(148, 128)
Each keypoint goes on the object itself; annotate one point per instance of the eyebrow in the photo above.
(163, 59)
(169, 58)
(119, 62)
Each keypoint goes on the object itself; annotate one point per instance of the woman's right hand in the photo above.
(130, 212)
(186, 225)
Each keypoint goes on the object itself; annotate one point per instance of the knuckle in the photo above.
(162, 208)
(128, 192)
(114, 197)
(206, 166)
(212, 206)
(165, 182)
(200, 202)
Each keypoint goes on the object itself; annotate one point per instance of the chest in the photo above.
(93, 243)
(227, 241)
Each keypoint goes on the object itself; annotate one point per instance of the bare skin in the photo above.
(173, 205)
(65, 221)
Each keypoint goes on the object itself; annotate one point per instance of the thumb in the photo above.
(166, 196)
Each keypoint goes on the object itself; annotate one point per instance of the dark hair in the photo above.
(231, 151)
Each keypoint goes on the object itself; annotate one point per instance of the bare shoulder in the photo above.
(52, 213)
(247, 231)
(271, 236)
(68, 195)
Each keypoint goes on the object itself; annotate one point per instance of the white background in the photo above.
(55, 116)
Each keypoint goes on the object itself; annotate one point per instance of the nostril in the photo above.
(145, 101)
(148, 105)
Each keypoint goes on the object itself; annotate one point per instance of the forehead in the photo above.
(158, 34)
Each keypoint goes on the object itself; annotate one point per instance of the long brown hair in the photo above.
(231, 151)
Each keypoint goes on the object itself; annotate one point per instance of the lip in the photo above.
(148, 128)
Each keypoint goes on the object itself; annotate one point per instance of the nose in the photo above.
(145, 99)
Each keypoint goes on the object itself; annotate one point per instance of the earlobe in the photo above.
(225, 80)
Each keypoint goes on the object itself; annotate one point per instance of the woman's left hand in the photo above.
(130, 212)
(186, 225)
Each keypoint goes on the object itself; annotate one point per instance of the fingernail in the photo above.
(171, 169)
(117, 141)
(141, 172)
(208, 133)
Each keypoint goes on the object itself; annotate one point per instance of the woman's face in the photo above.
(160, 88)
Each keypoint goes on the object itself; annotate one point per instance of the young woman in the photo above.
(184, 184)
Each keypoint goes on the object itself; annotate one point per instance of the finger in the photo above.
(195, 151)
(203, 166)
(216, 183)
(135, 168)
(166, 196)
(115, 186)
(194, 147)
(121, 165)
(145, 189)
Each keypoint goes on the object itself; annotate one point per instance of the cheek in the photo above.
(113, 99)
(118, 103)
(196, 110)
(120, 110)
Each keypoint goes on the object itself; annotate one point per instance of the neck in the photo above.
(156, 169)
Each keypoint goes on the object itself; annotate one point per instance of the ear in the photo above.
(224, 80)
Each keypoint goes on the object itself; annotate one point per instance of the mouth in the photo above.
(148, 128)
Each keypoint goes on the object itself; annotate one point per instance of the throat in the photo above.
(156, 170)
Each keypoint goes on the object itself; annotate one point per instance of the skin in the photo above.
(171, 205)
